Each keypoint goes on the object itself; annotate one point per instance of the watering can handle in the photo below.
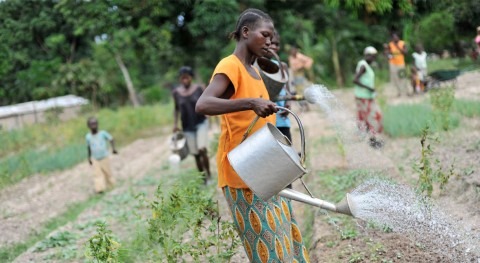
(300, 126)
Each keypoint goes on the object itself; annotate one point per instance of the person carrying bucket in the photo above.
(369, 116)
(236, 91)
(194, 125)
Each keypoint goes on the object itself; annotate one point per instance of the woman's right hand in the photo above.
(263, 107)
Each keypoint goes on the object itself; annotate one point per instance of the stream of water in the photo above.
(404, 211)
(398, 206)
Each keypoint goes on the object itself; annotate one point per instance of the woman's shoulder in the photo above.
(230, 61)
(230, 66)
(361, 62)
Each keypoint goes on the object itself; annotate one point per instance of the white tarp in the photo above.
(42, 105)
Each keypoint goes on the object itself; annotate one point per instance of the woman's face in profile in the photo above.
(260, 38)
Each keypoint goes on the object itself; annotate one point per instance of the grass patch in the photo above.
(467, 108)
(16, 167)
(406, 120)
(8, 254)
(50, 147)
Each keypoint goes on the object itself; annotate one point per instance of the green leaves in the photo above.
(186, 221)
(59, 239)
(102, 247)
(430, 171)
(435, 40)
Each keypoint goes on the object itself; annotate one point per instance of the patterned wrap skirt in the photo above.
(268, 230)
(369, 116)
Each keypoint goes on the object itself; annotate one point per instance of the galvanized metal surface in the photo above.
(266, 160)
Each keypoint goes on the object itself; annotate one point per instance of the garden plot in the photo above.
(335, 169)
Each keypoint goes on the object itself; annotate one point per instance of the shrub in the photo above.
(189, 212)
(155, 94)
(430, 171)
(441, 101)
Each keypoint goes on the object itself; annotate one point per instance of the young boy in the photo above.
(419, 71)
(97, 146)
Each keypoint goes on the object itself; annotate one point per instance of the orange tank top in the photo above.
(233, 125)
(397, 56)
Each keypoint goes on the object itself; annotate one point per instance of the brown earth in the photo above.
(28, 205)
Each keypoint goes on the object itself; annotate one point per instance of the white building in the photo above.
(18, 115)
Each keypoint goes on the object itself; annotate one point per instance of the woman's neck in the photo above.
(244, 56)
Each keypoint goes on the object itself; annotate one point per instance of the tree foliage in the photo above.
(110, 50)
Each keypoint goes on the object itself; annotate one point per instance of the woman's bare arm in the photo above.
(215, 100)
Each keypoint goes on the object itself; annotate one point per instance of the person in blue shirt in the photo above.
(98, 152)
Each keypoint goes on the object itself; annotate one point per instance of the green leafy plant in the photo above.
(102, 247)
(429, 171)
(349, 233)
(188, 212)
(59, 239)
(442, 101)
(356, 257)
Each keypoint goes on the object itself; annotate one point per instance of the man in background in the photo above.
(396, 53)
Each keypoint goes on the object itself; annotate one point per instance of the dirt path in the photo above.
(29, 204)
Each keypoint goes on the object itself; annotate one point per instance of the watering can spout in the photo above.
(346, 206)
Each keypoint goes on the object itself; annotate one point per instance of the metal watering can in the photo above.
(274, 76)
(267, 163)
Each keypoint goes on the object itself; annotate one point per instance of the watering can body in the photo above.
(274, 76)
(178, 145)
(266, 162)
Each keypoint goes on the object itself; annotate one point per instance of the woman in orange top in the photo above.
(268, 230)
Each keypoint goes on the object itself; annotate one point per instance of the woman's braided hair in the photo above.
(249, 18)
